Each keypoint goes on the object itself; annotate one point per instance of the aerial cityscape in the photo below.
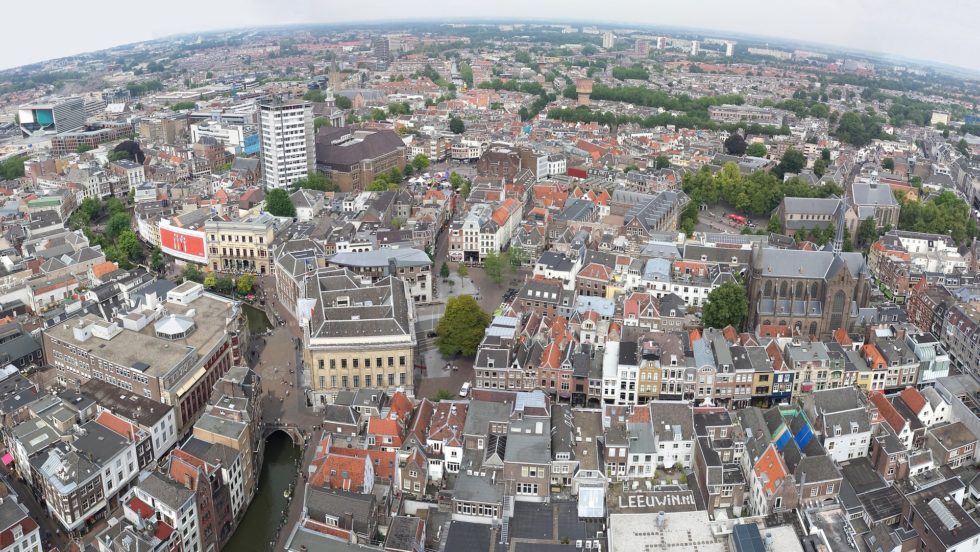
(462, 284)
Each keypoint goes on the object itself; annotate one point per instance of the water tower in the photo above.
(584, 89)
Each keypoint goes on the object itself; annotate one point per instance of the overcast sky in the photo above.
(934, 30)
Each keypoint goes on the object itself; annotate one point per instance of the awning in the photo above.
(7, 459)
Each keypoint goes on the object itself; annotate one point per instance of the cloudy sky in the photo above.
(935, 30)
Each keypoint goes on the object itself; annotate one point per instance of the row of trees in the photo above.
(944, 214)
(224, 283)
(636, 72)
(757, 194)
(583, 114)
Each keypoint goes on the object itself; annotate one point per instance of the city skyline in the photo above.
(906, 37)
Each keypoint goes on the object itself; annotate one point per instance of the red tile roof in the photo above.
(911, 397)
(888, 412)
(117, 425)
(331, 471)
(770, 464)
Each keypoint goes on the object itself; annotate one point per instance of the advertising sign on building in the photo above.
(183, 243)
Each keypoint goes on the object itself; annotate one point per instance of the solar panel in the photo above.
(943, 513)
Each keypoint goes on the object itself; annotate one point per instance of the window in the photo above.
(333, 363)
(813, 491)
(830, 488)
(527, 488)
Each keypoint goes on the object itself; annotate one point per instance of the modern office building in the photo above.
(236, 139)
(286, 136)
(51, 116)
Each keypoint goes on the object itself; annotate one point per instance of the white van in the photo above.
(465, 390)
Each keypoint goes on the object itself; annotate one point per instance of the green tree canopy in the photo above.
(115, 226)
(320, 122)
(792, 161)
(420, 162)
(944, 214)
(343, 102)
(492, 266)
(456, 125)
(245, 284)
(12, 168)
(278, 204)
(316, 181)
(735, 144)
(819, 167)
(314, 95)
(462, 326)
(191, 273)
(726, 305)
(661, 162)
(181, 106)
(756, 149)
(211, 280)
(444, 270)
(888, 164)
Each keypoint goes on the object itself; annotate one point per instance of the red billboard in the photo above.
(183, 244)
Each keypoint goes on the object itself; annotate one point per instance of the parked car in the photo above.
(465, 390)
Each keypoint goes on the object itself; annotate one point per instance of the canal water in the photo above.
(260, 525)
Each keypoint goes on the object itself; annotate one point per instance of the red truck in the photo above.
(735, 217)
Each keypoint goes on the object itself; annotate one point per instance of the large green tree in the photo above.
(420, 162)
(735, 144)
(462, 326)
(726, 305)
(343, 102)
(756, 149)
(792, 161)
(493, 268)
(456, 125)
(277, 203)
(117, 224)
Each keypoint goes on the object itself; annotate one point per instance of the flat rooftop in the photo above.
(143, 350)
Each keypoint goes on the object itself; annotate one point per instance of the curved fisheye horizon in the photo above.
(888, 29)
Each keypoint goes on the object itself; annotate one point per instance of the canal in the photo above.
(269, 507)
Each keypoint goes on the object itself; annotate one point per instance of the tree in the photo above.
(211, 280)
(661, 162)
(316, 181)
(156, 260)
(278, 204)
(492, 267)
(756, 149)
(191, 273)
(395, 175)
(420, 162)
(82, 148)
(726, 305)
(444, 270)
(867, 232)
(775, 225)
(819, 167)
(129, 245)
(343, 102)
(442, 395)
(116, 225)
(456, 125)
(455, 180)
(792, 162)
(314, 95)
(462, 326)
(735, 144)
(888, 164)
(518, 256)
(825, 154)
(118, 156)
(378, 114)
(12, 168)
(916, 181)
(114, 205)
(320, 122)
(380, 185)
(246, 282)
(963, 147)
(224, 284)
(462, 271)
(181, 106)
